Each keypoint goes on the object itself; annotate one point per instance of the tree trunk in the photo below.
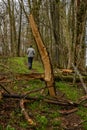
(49, 78)
(80, 29)
(13, 34)
(19, 35)
(55, 17)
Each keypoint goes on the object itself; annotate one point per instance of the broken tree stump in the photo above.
(49, 78)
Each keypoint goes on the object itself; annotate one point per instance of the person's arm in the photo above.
(27, 51)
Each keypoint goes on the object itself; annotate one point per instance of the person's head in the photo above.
(30, 45)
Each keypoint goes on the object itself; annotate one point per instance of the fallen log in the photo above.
(16, 96)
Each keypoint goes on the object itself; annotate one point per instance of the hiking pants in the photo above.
(30, 60)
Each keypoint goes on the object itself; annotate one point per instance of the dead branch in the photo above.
(34, 91)
(80, 77)
(30, 76)
(82, 99)
(61, 102)
(5, 81)
(54, 100)
(4, 89)
(16, 96)
(45, 99)
(65, 112)
(4, 78)
(30, 121)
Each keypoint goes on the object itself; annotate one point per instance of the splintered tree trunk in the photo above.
(49, 78)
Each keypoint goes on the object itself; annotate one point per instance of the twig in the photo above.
(33, 91)
(65, 112)
(82, 99)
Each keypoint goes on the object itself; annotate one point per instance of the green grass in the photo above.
(71, 92)
(82, 112)
(20, 65)
(38, 66)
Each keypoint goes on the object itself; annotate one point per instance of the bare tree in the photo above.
(13, 35)
(80, 26)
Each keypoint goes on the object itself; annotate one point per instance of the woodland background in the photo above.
(62, 25)
(63, 29)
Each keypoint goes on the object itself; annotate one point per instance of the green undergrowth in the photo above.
(72, 92)
(20, 65)
(82, 112)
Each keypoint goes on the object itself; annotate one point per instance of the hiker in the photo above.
(30, 53)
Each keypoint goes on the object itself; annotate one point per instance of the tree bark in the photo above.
(49, 78)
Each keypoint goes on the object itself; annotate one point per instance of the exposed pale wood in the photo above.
(30, 76)
(30, 121)
(44, 56)
(67, 70)
(5, 77)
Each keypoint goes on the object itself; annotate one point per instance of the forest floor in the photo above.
(11, 117)
(47, 116)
